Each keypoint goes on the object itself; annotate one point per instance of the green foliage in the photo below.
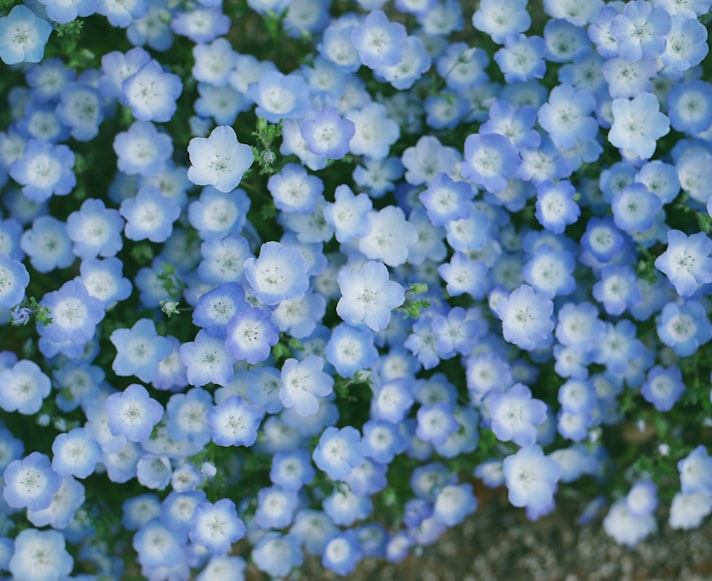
(266, 133)
(142, 254)
(172, 285)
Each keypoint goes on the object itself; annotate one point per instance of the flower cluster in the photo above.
(283, 278)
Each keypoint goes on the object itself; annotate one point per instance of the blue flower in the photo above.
(686, 261)
(294, 190)
(389, 237)
(81, 110)
(515, 415)
(566, 116)
(75, 314)
(640, 31)
(368, 295)
(278, 274)
(453, 503)
(55, 562)
(635, 208)
(347, 214)
(23, 387)
(522, 58)
(338, 452)
(23, 36)
(526, 317)
(638, 124)
(625, 527)
(151, 93)
(342, 553)
(219, 160)
(490, 160)
(663, 387)
(292, 469)
(696, 471)
(201, 24)
(142, 149)
(374, 131)
(684, 327)
(187, 416)
(500, 21)
(303, 383)
(214, 62)
(327, 133)
(251, 335)
(44, 170)
(686, 44)
(276, 554)
(133, 413)
(216, 526)
(279, 96)
(75, 453)
(139, 350)
(234, 422)
(149, 215)
(30, 483)
(378, 41)
(531, 478)
(690, 107)
(275, 507)
(207, 360)
(14, 279)
(95, 230)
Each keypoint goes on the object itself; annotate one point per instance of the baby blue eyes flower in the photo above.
(499, 20)
(142, 149)
(30, 483)
(216, 526)
(219, 160)
(490, 160)
(327, 133)
(686, 44)
(75, 314)
(684, 327)
(151, 93)
(207, 360)
(516, 415)
(531, 478)
(303, 383)
(686, 261)
(75, 453)
(234, 422)
(139, 350)
(23, 387)
(638, 124)
(696, 472)
(44, 170)
(279, 96)
(526, 318)
(149, 215)
(368, 295)
(14, 279)
(378, 41)
(640, 31)
(338, 452)
(250, 335)
(95, 230)
(133, 413)
(23, 36)
(663, 387)
(566, 116)
(278, 274)
(294, 190)
(40, 554)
